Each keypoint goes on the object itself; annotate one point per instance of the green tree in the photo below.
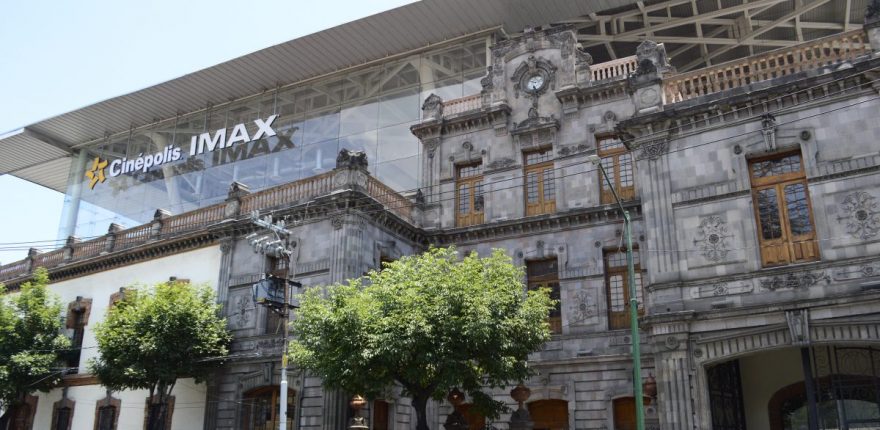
(430, 322)
(30, 341)
(153, 336)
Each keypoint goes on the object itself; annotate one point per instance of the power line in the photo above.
(487, 184)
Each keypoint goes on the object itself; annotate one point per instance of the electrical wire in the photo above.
(487, 189)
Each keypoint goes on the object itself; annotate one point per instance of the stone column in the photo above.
(669, 335)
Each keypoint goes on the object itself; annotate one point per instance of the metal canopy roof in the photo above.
(696, 33)
(38, 151)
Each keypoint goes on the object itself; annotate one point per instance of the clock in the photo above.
(535, 83)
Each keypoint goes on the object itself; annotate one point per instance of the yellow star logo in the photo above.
(96, 172)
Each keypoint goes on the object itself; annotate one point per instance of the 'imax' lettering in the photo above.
(205, 142)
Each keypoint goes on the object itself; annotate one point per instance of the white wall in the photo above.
(762, 376)
(199, 266)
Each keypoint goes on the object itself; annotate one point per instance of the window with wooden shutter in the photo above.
(469, 195)
(783, 211)
(540, 189)
(617, 288)
(544, 274)
(618, 166)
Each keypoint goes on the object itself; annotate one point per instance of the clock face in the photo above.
(535, 83)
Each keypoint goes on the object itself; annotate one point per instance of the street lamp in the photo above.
(633, 302)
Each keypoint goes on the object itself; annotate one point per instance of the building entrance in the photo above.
(775, 391)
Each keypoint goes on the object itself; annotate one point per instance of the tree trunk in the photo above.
(420, 404)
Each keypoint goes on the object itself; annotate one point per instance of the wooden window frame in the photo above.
(110, 402)
(472, 184)
(543, 204)
(788, 248)
(625, 193)
(274, 398)
(169, 413)
(551, 281)
(620, 320)
(56, 408)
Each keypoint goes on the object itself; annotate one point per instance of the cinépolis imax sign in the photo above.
(199, 144)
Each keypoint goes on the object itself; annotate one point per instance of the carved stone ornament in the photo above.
(500, 163)
(671, 343)
(795, 281)
(653, 150)
(583, 57)
(433, 107)
(534, 67)
(768, 130)
(583, 307)
(650, 58)
(243, 309)
(336, 222)
(351, 159)
(861, 215)
(535, 121)
(712, 238)
(573, 149)
(798, 326)
(486, 82)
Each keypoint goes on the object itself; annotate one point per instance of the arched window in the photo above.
(261, 410)
(549, 414)
(853, 399)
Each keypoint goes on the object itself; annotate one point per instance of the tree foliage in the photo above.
(430, 322)
(153, 336)
(30, 340)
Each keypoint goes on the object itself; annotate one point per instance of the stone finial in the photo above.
(114, 228)
(520, 418)
(351, 159)
(71, 240)
(433, 107)
(237, 190)
(651, 59)
(357, 422)
(161, 214)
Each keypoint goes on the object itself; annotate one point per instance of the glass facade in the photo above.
(370, 109)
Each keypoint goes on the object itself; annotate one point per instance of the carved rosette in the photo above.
(583, 307)
(653, 150)
(712, 238)
(861, 215)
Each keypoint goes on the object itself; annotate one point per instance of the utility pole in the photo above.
(281, 247)
(633, 301)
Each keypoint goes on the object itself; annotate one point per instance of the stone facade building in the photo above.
(753, 187)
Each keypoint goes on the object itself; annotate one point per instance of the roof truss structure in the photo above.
(700, 33)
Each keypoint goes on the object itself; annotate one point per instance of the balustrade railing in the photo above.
(193, 219)
(765, 66)
(463, 104)
(614, 69)
(389, 198)
(288, 193)
(174, 225)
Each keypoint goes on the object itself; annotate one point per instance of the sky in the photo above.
(58, 56)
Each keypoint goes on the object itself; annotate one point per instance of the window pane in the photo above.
(609, 143)
(464, 199)
(538, 157)
(532, 187)
(400, 175)
(768, 213)
(626, 172)
(608, 165)
(618, 301)
(549, 185)
(469, 171)
(798, 209)
(776, 167)
(478, 196)
(63, 419)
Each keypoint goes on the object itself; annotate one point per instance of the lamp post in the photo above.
(633, 302)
